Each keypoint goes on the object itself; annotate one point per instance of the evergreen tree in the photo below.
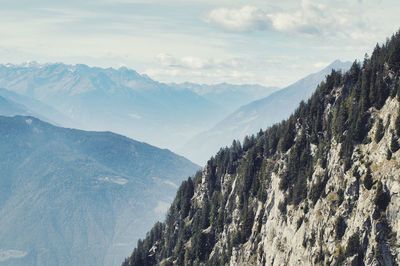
(340, 227)
(394, 55)
(380, 131)
(394, 144)
(382, 198)
(388, 154)
(368, 183)
(397, 124)
(353, 245)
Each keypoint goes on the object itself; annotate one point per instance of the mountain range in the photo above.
(256, 115)
(173, 116)
(123, 101)
(72, 197)
(11, 108)
(30, 106)
(229, 96)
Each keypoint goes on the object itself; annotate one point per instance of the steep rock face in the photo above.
(303, 238)
(319, 188)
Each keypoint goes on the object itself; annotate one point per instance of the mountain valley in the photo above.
(71, 197)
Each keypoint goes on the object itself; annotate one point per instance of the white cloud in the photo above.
(247, 18)
(166, 59)
(290, 37)
(190, 62)
(217, 75)
(135, 116)
(11, 254)
(310, 18)
(194, 62)
(320, 65)
(274, 70)
(170, 183)
(161, 208)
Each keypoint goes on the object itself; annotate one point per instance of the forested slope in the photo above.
(72, 197)
(321, 187)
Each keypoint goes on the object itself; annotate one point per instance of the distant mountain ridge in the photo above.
(119, 100)
(124, 101)
(72, 197)
(259, 114)
(228, 95)
(29, 106)
(10, 108)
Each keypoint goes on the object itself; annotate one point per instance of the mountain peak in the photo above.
(339, 65)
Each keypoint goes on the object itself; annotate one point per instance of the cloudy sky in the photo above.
(268, 42)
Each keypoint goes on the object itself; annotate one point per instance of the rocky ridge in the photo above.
(320, 188)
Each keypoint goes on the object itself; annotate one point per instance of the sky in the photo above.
(273, 43)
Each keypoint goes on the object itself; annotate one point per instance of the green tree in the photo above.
(368, 183)
(340, 227)
(397, 124)
(394, 56)
(382, 198)
(394, 144)
(380, 131)
(353, 245)
(388, 154)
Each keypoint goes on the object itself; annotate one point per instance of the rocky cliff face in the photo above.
(308, 235)
(321, 188)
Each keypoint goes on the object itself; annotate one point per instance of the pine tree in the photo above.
(394, 56)
(340, 227)
(368, 183)
(382, 198)
(394, 144)
(397, 124)
(388, 154)
(353, 245)
(380, 131)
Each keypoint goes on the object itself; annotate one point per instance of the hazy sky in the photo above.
(267, 42)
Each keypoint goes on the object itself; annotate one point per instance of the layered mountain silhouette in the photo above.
(23, 105)
(123, 101)
(10, 108)
(228, 96)
(72, 197)
(256, 115)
